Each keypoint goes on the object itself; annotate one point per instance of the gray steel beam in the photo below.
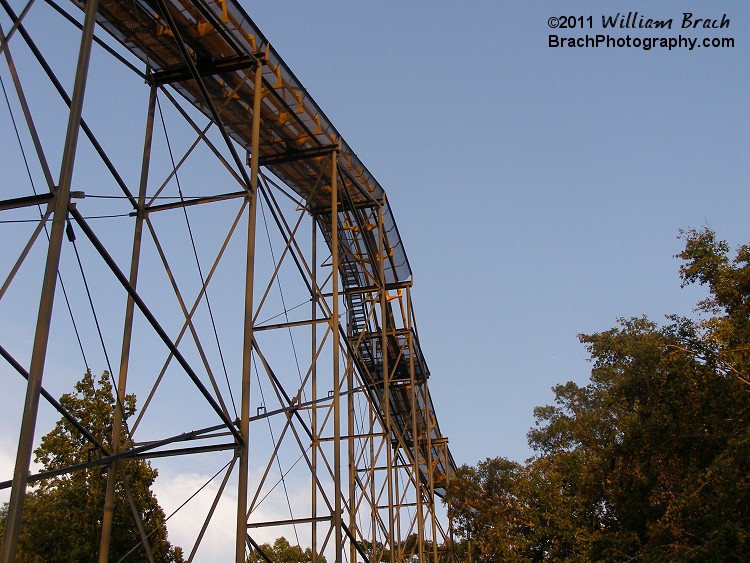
(248, 336)
(46, 302)
(127, 334)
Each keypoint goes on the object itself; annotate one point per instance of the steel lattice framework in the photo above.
(324, 386)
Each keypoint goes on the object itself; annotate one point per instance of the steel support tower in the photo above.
(239, 262)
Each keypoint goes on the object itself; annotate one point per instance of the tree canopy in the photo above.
(62, 515)
(283, 552)
(650, 461)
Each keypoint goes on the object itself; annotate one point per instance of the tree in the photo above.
(62, 515)
(489, 509)
(722, 339)
(283, 552)
(650, 461)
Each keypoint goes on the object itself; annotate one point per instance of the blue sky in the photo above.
(539, 192)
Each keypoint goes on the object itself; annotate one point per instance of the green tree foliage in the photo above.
(489, 508)
(62, 515)
(376, 552)
(283, 552)
(650, 461)
(406, 550)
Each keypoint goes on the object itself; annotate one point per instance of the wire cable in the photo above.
(197, 260)
(276, 454)
(18, 136)
(284, 312)
(41, 215)
(281, 293)
(72, 238)
(176, 510)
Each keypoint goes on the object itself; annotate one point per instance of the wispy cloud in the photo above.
(173, 488)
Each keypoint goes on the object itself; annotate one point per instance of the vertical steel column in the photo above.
(398, 546)
(352, 454)
(372, 473)
(314, 384)
(389, 471)
(416, 435)
(247, 344)
(337, 516)
(109, 496)
(46, 301)
(431, 465)
(448, 474)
